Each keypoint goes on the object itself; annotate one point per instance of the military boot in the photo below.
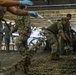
(55, 56)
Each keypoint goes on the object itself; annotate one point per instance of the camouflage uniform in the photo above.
(51, 34)
(22, 25)
(66, 29)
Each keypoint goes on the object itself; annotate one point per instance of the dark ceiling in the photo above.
(48, 2)
(52, 4)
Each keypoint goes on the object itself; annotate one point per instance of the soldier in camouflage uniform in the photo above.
(64, 41)
(24, 30)
(67, 30)
(51, 33)
(69, 16)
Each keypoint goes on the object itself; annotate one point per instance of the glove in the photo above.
(33, 13)
(25, 2)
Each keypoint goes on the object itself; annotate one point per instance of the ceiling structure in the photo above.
(51, 2)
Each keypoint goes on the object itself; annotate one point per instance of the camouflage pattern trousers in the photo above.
(52, 41)
(62, 46)
(21, 44)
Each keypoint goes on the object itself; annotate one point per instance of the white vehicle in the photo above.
(37, 39)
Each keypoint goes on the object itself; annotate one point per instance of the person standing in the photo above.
(22, 26)
(6, 30)
(65, 37)
(19, 12)
(24, 29)
(69, 16)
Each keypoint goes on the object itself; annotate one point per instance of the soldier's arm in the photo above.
(61, 31)
(17, 11)
(8, 3)
(21, 12)
(63, 35)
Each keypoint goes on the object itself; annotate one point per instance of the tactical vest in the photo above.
(53, 28)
